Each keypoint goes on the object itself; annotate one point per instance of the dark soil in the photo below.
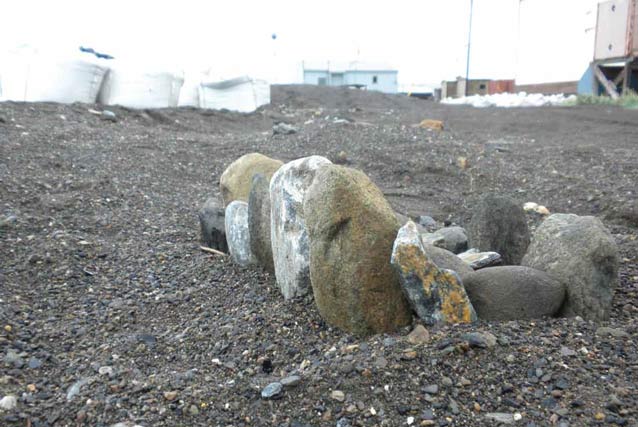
(103, 285)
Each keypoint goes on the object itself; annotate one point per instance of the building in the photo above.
(366, 75)
(460, 87)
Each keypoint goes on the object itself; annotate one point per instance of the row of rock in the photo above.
(328, 229)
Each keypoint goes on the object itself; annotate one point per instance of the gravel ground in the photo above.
(111, 314)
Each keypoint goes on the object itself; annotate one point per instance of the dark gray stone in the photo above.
(446, 260)
(211, 221)
(453, 239)
(499, 225)
(513, 293)
(427, 222)
(283, 129)
(581, 253)
(259, 221)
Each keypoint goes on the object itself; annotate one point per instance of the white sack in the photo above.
(136, 87)
(29, 76)
(240, 94)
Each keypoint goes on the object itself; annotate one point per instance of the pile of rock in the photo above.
(327, 229)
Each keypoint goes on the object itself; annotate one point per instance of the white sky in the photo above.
(425, 40)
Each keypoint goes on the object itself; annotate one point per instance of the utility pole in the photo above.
(469, 42)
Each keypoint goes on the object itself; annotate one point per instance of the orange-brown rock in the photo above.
(437, 295)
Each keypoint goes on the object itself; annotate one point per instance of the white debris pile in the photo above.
(506, 100)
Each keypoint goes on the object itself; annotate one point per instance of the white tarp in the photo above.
(27, 75)
(140, 87)
(242, 94)
(520, 99)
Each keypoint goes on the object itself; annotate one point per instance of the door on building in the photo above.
(336, 79)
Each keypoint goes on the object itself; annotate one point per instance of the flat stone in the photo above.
(431, 389)
(289, 237)
(436, 295)
(514, 293)
(283, 129)
(499, 225)
(259, 222)
(291, 381)
(477, 260)
(480, 339)
(238, 234)
(616, 333)
(272, 391)
(501, 417)
(581, 253)
(212, 225)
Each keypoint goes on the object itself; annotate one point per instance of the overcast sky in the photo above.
(426, 40)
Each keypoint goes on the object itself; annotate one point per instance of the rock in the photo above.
(513, 293)
(431, 124)
(477, 260)
(431, 389)
(259, 222)
(435, 294)
(499, 225)
(106, 370)
(109, 115)
(342, 158)
(501, 417)
(272, 391)
(8, 403)
(338, 395)
(453, 239)
(480, 339)
(282, 128)
(236, 179)
(170, 395)
(616, 333)
(427, 222)
(291, 381)
(419, 335)
(579, 252)
(34, 363)
(213, 228)
(351, 229)
(445, 259)
(7, 221)
(567, 352)
(289, 238)
(74, 390)
(237, 233)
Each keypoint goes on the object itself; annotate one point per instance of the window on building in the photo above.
(482, 86)
(321, 81)
(375, 80)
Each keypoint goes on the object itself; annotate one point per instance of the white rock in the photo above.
(289, 237)
(237, 233)
(8, 403)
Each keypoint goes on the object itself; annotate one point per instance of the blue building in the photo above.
(368, 75)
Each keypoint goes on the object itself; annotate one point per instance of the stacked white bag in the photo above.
(27, 75)
(243, 94)
(138, 87)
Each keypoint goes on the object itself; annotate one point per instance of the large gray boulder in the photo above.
(580, 252)
(237, 233)
(351, 228)
(436, 295)
(289, 238)
(213, 228)
(514, 293)
(259, 221)
(499, 225)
